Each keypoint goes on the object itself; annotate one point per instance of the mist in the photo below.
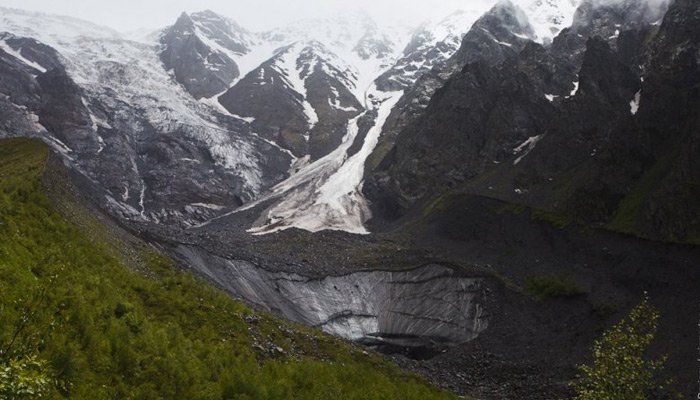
(657, 8)
(256, 15)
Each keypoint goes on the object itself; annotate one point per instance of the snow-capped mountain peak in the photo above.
(356, 40)
(223, 31)
(452, 27)
(548, 17)
(431, 44)
(343, 30)
(202, 49)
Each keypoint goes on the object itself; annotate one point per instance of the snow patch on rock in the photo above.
(634, 104)
(18, 55)
(526, 147)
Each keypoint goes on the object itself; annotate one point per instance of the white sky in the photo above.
(128, 15)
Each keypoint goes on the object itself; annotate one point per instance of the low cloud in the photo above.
(657, 7)
(258, 15)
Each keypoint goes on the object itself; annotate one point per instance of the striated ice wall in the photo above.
(426, 307)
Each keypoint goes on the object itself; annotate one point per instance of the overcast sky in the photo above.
(128, 15)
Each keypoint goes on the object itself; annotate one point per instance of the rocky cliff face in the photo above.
(560, 127)
(500, 33)
(666, 130)
(201, 50)
(301, 99)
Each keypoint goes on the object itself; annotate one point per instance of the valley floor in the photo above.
(550, 287)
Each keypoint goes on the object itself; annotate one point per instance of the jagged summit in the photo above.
(202, 49)
(225, 31)
(506, 18)
(431, 44)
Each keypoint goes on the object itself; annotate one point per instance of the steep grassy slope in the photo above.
(120, 323)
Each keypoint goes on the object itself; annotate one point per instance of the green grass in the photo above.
(558, 220)
(380, 152)
(544, 287)
(437, 205)
(117, 327)
(695, 240)
(631, 206)
(655, 209)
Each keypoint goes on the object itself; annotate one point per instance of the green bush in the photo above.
(24, 378)
(621, 369)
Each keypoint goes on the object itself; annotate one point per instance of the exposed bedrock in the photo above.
(431, 307)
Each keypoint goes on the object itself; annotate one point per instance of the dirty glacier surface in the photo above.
(430, 308)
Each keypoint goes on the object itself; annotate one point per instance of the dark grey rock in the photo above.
(203, 70)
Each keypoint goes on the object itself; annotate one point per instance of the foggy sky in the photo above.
(129, 15)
